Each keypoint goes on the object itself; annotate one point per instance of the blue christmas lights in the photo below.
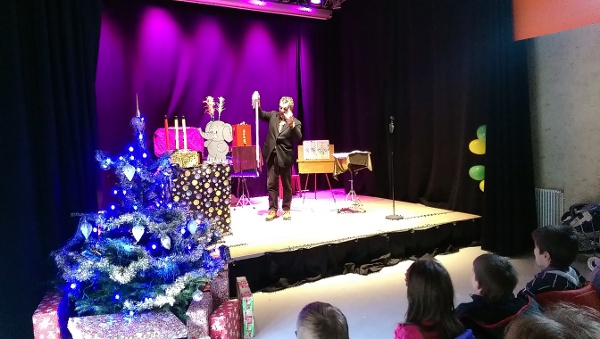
(109, 264)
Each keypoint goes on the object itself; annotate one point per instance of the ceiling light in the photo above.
(291, 9)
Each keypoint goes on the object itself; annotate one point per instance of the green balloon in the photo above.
(481, 132)
(477, 172)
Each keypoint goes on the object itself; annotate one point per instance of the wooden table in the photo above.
(320, 166)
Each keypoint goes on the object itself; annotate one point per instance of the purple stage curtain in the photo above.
(172, 55)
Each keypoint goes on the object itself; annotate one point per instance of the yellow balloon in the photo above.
(482, 185)
(477, 146)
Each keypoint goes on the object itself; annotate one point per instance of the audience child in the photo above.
(319, 320)
(430, 313)
(494, 305)
(535, 327)
(562, 320)
(556, 248)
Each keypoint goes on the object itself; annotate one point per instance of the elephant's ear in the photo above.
(227, 132)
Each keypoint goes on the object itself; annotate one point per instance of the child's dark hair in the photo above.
(496, 276)
(560, 242)
(431, 299)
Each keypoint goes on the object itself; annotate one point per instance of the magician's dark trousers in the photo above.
(274, 172)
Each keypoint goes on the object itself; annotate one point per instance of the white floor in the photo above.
(373, 304)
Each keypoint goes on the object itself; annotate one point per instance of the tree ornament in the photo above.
(129, 171)
(198, 295)
(138, 232)
(192, 226)
(85, 228)
(165, 241)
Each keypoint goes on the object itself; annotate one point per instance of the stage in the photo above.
(328, 236)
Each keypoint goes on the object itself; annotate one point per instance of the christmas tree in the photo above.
(144, 252)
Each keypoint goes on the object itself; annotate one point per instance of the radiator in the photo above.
(550, 206)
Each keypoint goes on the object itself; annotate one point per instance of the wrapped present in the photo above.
(195, 142)
(219, 288)
(50, 317)
(244, 296)
(198, 314)
(149, 325)
(185, 159)
(206, 188)
(242, 134)
(225, 321)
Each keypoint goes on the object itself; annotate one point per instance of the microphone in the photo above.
(391, 126)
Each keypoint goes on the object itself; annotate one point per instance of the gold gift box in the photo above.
(185, 158)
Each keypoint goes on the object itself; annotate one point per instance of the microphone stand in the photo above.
(393, 216)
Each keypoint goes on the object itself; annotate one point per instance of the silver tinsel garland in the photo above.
(171, 293)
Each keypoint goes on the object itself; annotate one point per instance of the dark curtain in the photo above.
(453, 66)
(437, 89)
(49, 52)
(510, 210)
(441, 69)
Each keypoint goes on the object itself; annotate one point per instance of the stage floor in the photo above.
(319, 221)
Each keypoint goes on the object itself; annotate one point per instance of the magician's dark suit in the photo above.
(278, 151)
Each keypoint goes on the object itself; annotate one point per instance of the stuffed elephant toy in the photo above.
(216, 136)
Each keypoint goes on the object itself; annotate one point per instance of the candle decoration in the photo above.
(167, 133)
(176, 133)
(137, 105)
(184, 132)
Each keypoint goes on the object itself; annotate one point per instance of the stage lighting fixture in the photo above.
(291, 8)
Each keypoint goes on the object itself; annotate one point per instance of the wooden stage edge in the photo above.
(328, 219)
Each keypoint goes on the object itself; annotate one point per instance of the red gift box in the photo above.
(242, 135)
(195, 142)
(244, 295)
(198, 314)
(50, 317)
(219, 288)
(225, 321)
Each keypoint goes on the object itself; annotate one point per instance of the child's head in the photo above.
(560, 321)
(494, 277)
(319, 320)
(431, 297)
(535, 326)
(555, 246)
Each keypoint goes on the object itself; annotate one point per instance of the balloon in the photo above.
(477, 146)
(482, 185)
(477, 172)
(481, 131)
